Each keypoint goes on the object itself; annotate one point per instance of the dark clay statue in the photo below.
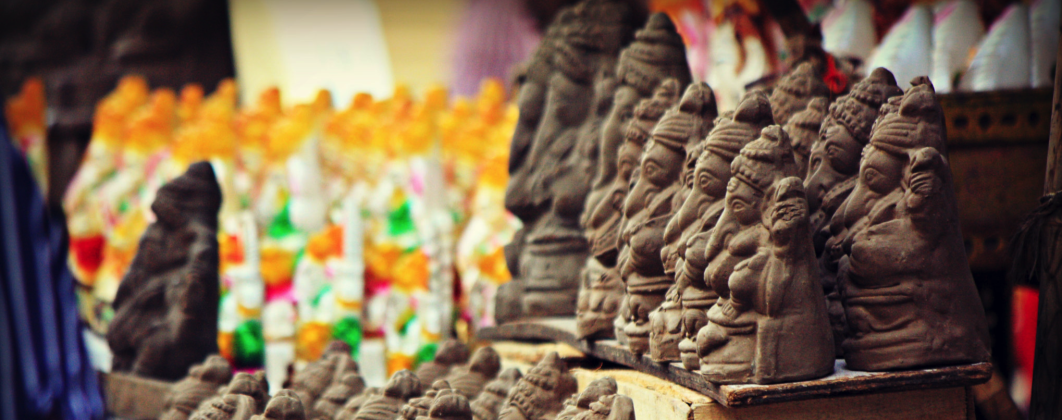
(228, 407)
(254, 386)
(609, 407)
(313, 379)
(701, 210)
(803, 129)
(354, 403)
(166, 308)
(602, 294)
(419, 406)
(487, 405)
(654, 198)
(203, 382)
(657, 54)
(549, 178)
(449, 406)
(402, 386)
(469, 381)
(832, 170)
(795, 90)
(769, 324)
(451, 353)
(285, 405)
(541, 393)
(337, 394)
(581, 402)
(908, 295)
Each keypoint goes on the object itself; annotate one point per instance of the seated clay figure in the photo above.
(202, 383)
(254, 386)
(541, 393)
(487, 405)
(650, 205)
(354, 403)
(795, 90)
(602, 291)
(337, 395)
(450, 354)
(402, 386)
(609, 407)
(908, 295)
(769, 324)
(449, 406)
(469, 381)
(832, 170)
(285, 405)
(228, 407)
(581, 402)
(166, 307)
(313, 379)
(419, 406)
(704, 205)
(547, 188)
(803, 129)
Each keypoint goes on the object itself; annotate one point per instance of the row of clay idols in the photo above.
(331, 388)
(795, 231)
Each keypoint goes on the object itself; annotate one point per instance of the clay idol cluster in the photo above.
(457, 385)
(816, 221)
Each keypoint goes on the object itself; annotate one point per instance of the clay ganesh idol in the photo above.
(796, 89)
(803, 129)
(769, 324)
(487, 405)
(652, 201)
(547, 187)
(657, 54)
(690, 297)
(602, 293)
(541, 393)
(832, 170)
(908, 295)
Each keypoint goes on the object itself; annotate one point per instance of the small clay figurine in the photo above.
(313, 379)
(450, 354)
(354, 404)
(487, 405)
(548, 178)
(769, 324)
(402, 386)
(418, 407)
(832, 170)
(908, 295)
(344, 365)
(704, 205)
(541, 393)
(202, 383)
(254, 386)
(469, 381)
(228, 407)
(581, 402)
(795, 90)
(337, 394)
(285, 405)
(650, 205)
(166, 308)
(449, 406)
(609, 407)
(803, 129)
(602, 291)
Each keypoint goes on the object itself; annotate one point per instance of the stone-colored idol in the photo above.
(908, 295)
(580, 402)
(469, 381)
(601, 298)
(654, 198)
(694, 221)
(769, 324)
(451, 353)
(489, 402)
(796, 89)
(803, 129)
(657, 54)
(548, 178)
(541, 393)
(202, 383)
(831, 174)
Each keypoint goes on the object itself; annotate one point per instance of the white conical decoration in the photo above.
(1043, 22)
(957, 32)
(1002, 61)
(906, 50)
(848, 29)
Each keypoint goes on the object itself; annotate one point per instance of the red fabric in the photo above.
(1024, 308)
(834, 78)
(88, 252)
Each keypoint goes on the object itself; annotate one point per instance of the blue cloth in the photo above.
(46, 371)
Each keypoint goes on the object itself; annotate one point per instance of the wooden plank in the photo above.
(133, 397)
(936, 404)
(842, 382)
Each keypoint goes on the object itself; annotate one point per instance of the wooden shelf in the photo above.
(842, 382)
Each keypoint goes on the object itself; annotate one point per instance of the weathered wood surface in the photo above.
(842, 382)
(133, 397)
